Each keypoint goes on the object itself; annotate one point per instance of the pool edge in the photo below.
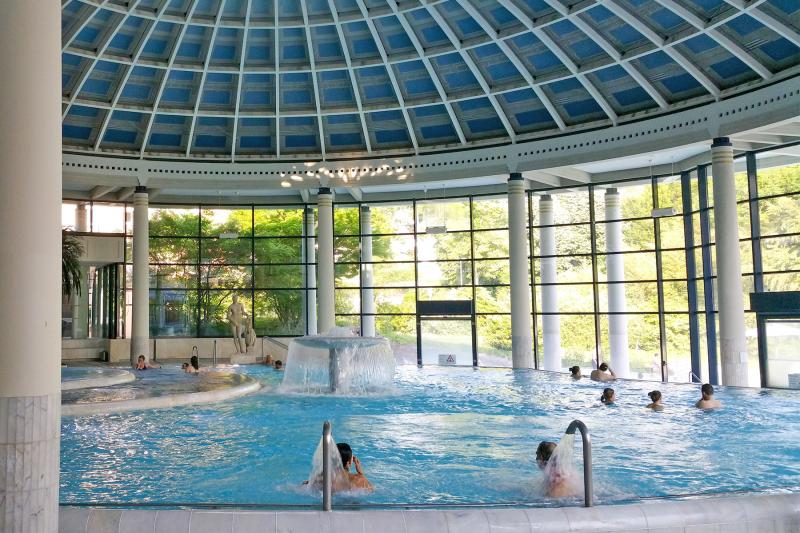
(752, 512)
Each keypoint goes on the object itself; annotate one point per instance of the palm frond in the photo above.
(71, 251)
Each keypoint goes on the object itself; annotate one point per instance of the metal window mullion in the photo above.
(691, 272)
(662, 327)
(595, 283)
(755, 221)
(474, 303)
(708, 283)
(416, 286)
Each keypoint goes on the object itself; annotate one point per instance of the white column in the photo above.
(311, 273)
(30, 264)
(732, 345)
(140, 309)
(518, 254)
(327, 317)
(551, 323)
(615, 270)
(367, 281)
(80, 301)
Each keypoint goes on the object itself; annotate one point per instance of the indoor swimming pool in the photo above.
(440, 436)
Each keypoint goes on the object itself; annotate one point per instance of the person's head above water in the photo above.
(544, 451)
(278, 364)
(575, 371)
(141, 359)
(655, 396)
(608, 395)
(346, 453)
(603, 367)
(707, 390)
(195, 362)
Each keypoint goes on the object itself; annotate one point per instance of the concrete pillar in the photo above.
(80, 301)
(367, 281)
(732, 346)
(518, 254)
(140, 309)
(551, 323)
(311, 272)
(30, 268)
(615, 271)
(325, 284)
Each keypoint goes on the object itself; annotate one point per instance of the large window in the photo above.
(635, 257)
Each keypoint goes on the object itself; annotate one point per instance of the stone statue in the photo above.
(236, 317)
(249, 334)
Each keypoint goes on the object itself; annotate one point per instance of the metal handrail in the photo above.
(693, 376)
(214, 356)
(588, 483)
(326, 466)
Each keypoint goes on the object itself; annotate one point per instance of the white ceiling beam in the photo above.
(732, 47)
(427, 62)
(67, 40)
(356, 193)
(124, 193)
(314, 82)
(242, 55)
(118, 92)
(203, 76)
(390, 71)
(445, 26)
(351, 74)
(88, 71)
(639, 25)
(101, 190)
(305, 195)
(776, 25)
(570, 173)
(161, 86)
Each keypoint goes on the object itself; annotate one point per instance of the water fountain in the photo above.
(338, 363)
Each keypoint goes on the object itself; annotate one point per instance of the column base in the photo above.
(30, 434)
(734, 364)
(521, 351)
(552, 360)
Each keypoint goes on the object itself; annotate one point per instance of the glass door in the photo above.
(447, 342)
(782, 357)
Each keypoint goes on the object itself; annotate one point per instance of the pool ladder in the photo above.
(588, 482)
(326, 467)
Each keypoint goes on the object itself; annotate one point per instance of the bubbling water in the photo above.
(345, 365)
(339, 478)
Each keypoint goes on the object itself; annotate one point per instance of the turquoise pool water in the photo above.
(443, 436)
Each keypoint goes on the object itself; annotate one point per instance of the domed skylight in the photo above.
(272, 79)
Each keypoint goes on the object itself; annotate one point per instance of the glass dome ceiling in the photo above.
(329, 79)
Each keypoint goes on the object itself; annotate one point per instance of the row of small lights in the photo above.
(345, 174)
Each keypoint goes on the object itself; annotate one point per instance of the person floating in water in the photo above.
(278, 365)
(708, 401)
(609, 396)
(655, 398)
(357, 481)
(603, 373)
(575, 372)
(557, 482)
(142, 364)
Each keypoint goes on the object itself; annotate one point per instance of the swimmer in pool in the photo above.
(357, 481)
(278, 365)
(609, 396)
(193, 366)
(603, 373)
(575, 372)
(558, 485)
(142, 364)
(655, 398)
(707, 401)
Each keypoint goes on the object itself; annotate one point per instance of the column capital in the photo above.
(719, 142)
(612, 190)
(515, 176)
(546, 198)
(365, 209)
(140, 189)
(324, 190)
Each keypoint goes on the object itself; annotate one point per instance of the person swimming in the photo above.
(357, 481)
(278, 365)
(707, 401)
(557, 481)
(192, 367)
(609, 396)
(655, 398)
(575, 372)
(603, 373)
(142, 364)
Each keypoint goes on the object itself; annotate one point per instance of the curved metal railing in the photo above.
(588, 482)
